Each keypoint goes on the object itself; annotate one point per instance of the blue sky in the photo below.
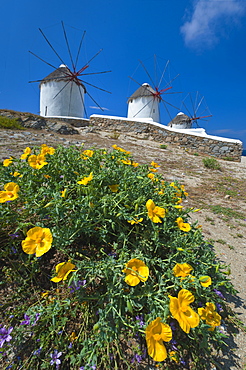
(204, 40)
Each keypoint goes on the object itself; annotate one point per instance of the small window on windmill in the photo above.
(153, 110)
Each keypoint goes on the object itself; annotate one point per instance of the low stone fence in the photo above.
(209, 145)
(203, 144)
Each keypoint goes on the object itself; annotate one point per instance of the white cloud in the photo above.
(101, 108)
(207, 20)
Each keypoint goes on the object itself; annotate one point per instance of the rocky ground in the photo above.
(220, 195)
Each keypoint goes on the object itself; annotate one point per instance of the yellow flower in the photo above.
(135, 164)
(85, 180)
(45, 149)
(44, 294)
(37, 161)
(210, 315)
(178, 207)
(7, 162)
(114, 188)
(120, 149)
(16, 174)
(173, 185)
(73, 337)
(184, 226)
(154, 164)
(87, 154)
(179, 200)
(153, 169)
(151, 176)
(182, 312)
(135, 271)
(10, 192)
(62, 271)
(26, 153)
(135, 221)
(182, 269)
(63, 193)
(174, 357)
(47, 176)
(205, 281)
(157, 332)
(126, 161)
(38, 241)
(155, 212)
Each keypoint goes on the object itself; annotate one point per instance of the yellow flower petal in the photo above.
(38, 240)
(182, 269)
(37, 161)
(7, 162)
(155, 212)
(210, 315)
(205, 281)
(157, 332)
(85, 180)
(63, 269)
(135, 271)
(182, 312)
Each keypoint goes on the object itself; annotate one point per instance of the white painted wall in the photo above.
(144, 107)
(69, 102)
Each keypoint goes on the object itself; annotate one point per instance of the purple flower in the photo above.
(5, 335)
(183, 362)
(37, 352)
(76, 285)
(138, 358)
(219, 307)
(112, 254)
(219, 293)
(173, 326)
(14, 250)
(140, 320)
(14, 235)
(26, 321)
(55, 357)
(173, 345)
(37, 316)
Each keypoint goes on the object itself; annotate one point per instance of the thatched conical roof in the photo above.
(144, 90)
(62, 73)
(181, 120)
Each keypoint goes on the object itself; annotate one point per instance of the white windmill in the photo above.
(145, 101)
(62, 91)
(61, 96)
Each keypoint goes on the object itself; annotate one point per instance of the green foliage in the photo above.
(94, 319)
(228, 212)
(10, 123)
(211, 163)
(163, 146)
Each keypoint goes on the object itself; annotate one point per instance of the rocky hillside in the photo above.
(219, 194)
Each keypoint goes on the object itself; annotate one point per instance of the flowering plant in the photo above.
(98, 254)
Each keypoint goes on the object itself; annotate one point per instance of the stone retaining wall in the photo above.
(208, 145)
(231, 149)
